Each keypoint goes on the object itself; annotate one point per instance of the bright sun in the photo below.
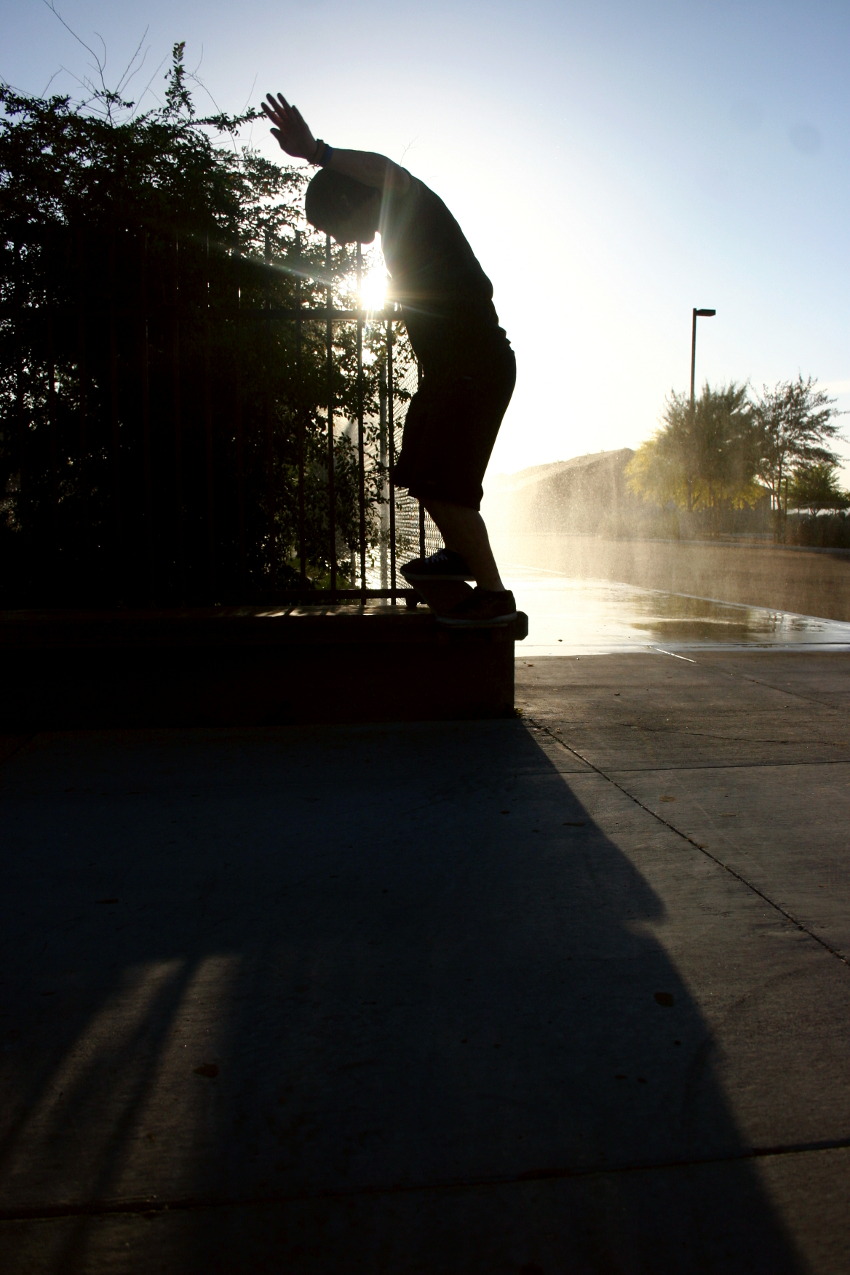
(373, 287)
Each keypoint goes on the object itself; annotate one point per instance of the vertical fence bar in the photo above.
(117, 549)
(270, 467)
(329, 350)
(53, 439)
(239, 337)
(420, 505)
(209, 441)
(83, 319)
(361, 441)
(301, 417)
(144, 320)
(23, 515)
(391, 455)
(179, 529)
(383, 490)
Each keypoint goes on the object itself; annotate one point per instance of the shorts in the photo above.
(451, 426)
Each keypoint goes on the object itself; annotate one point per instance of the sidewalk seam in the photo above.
(697, 765)
(696, 845)
(151, 1207)
(794, 693)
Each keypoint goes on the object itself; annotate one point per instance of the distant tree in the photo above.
(815, 487)
(795, 422)
(700, 460)
(656, 472)
(163, 424)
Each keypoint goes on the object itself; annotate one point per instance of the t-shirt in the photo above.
(445, 297)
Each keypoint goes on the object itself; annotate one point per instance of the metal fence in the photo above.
(184, 425)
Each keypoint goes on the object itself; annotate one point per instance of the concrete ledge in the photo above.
(248, 667)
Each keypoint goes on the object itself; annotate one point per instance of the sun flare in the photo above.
(373, 287)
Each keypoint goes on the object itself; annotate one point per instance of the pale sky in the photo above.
(614, 163)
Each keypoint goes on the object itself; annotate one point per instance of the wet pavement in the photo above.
(573, 616)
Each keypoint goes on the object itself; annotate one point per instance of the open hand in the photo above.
(292, 133)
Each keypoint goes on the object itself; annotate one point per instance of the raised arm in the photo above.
(294, 136)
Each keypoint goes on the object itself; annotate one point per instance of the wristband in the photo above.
(322, 153)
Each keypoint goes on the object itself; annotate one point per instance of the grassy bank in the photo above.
(783, 579)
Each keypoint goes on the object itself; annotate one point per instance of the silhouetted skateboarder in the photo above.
(467, 362)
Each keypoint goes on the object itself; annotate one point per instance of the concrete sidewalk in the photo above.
(566, 994)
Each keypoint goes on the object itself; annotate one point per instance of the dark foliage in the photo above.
(163, 415)
(824, 531)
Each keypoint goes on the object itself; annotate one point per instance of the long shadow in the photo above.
(352, 999)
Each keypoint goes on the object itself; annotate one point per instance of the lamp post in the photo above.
(698, 314)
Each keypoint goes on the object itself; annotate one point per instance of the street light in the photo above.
(698, 314)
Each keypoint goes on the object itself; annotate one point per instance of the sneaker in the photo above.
(483, 607)
(445, 564)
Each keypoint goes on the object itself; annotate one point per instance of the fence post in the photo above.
(329, 349)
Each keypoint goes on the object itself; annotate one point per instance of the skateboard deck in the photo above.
(441, 596)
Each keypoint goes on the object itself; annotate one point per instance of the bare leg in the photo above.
(464, 531)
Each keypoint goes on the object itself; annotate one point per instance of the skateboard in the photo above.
(441, 596)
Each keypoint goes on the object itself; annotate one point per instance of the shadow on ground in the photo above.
(356, 999)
